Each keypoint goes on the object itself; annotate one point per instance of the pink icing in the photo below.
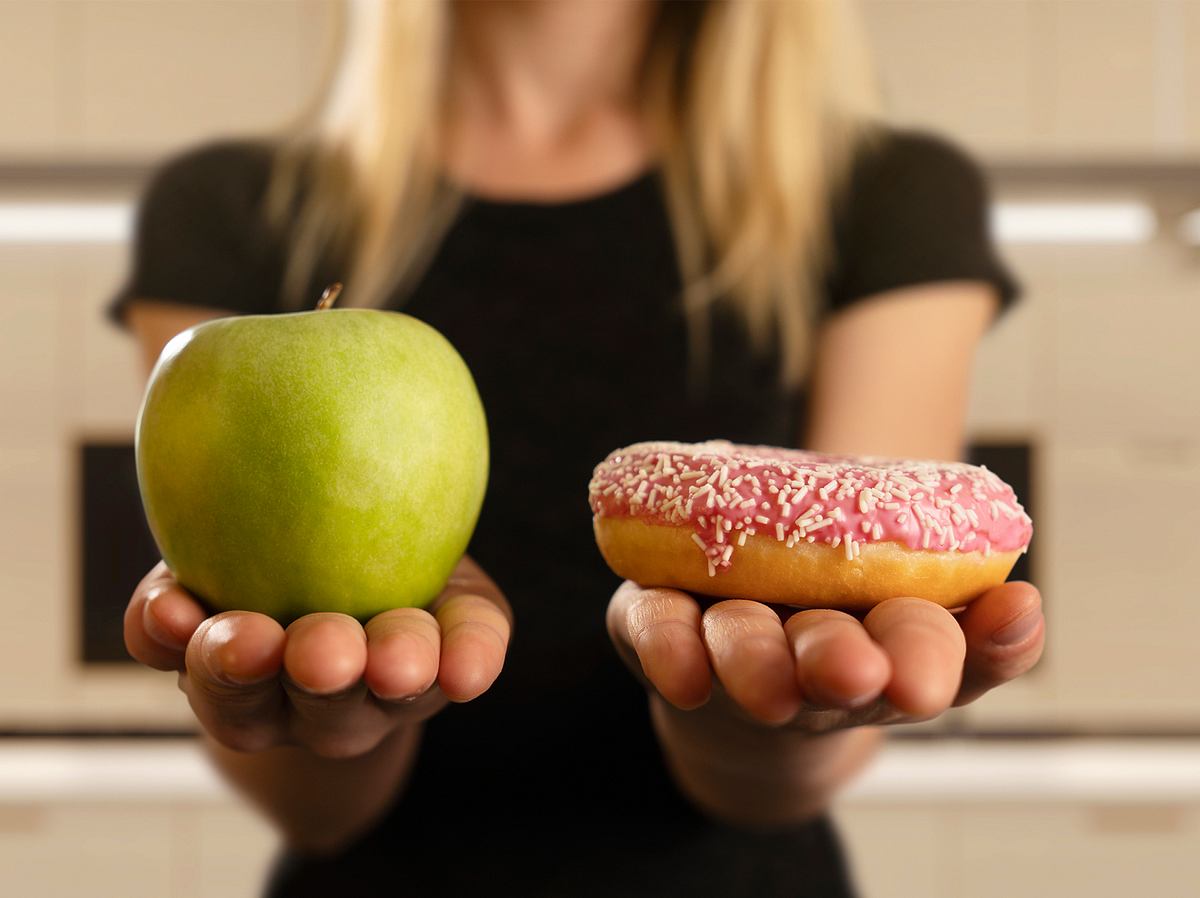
(724, 491)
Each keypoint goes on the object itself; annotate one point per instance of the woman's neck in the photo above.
(544, 95)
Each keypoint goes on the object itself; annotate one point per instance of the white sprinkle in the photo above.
(712, 569)
(779, 532)
(786, 510)
(954, 490)
(726, 554)
(849, 547)
(866, 526)
(835, 542)
(762, 519)
(742, 538)
(876, 532)
(698, 540)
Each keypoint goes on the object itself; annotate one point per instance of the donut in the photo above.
(800, 528)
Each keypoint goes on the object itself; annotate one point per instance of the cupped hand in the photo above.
(823, 670)
(325, 682)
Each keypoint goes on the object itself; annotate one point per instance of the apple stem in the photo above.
(329, 297)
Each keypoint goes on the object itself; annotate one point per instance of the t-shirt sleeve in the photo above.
(201, 235)
(914, 211)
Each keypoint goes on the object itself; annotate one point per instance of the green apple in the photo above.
(332, 460)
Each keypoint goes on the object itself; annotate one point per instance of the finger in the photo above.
(926, 648)
(403, 649)
(331, 712)
(751, 657)
(1005, 633)
(160, 619)
(326, 653)
(475, 633)
(661, 628)
(838, 665)
(231, 679)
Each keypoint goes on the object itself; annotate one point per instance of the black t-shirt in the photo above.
(568, 316)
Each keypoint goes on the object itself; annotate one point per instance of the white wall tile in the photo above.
(1116, 538)
(961, 67)
(155, 76)
(1189, 82)
(29, 347)
(1101, 75)
(31, 73)
(1126, 319)
(1094, 851)
(232, 851)
(104, 377)
(1005, 382)
(896, 851)
(102, 851)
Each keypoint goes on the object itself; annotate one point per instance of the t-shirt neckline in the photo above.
(587, 202)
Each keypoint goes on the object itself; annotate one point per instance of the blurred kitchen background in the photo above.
(1082, 779)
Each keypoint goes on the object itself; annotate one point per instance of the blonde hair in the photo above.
(757, 108)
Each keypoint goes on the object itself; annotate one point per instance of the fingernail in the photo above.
(1019, 630)
(154, 629)
(216, 654)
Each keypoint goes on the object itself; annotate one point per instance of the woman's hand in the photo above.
(817, 671)
(326, 683)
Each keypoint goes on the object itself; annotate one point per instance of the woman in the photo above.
(634, 220)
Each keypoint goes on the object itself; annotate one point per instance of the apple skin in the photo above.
(333, 460)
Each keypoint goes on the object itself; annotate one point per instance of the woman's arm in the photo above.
(155, 323)
(317, 725)
(891, 378)
(891, 374)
